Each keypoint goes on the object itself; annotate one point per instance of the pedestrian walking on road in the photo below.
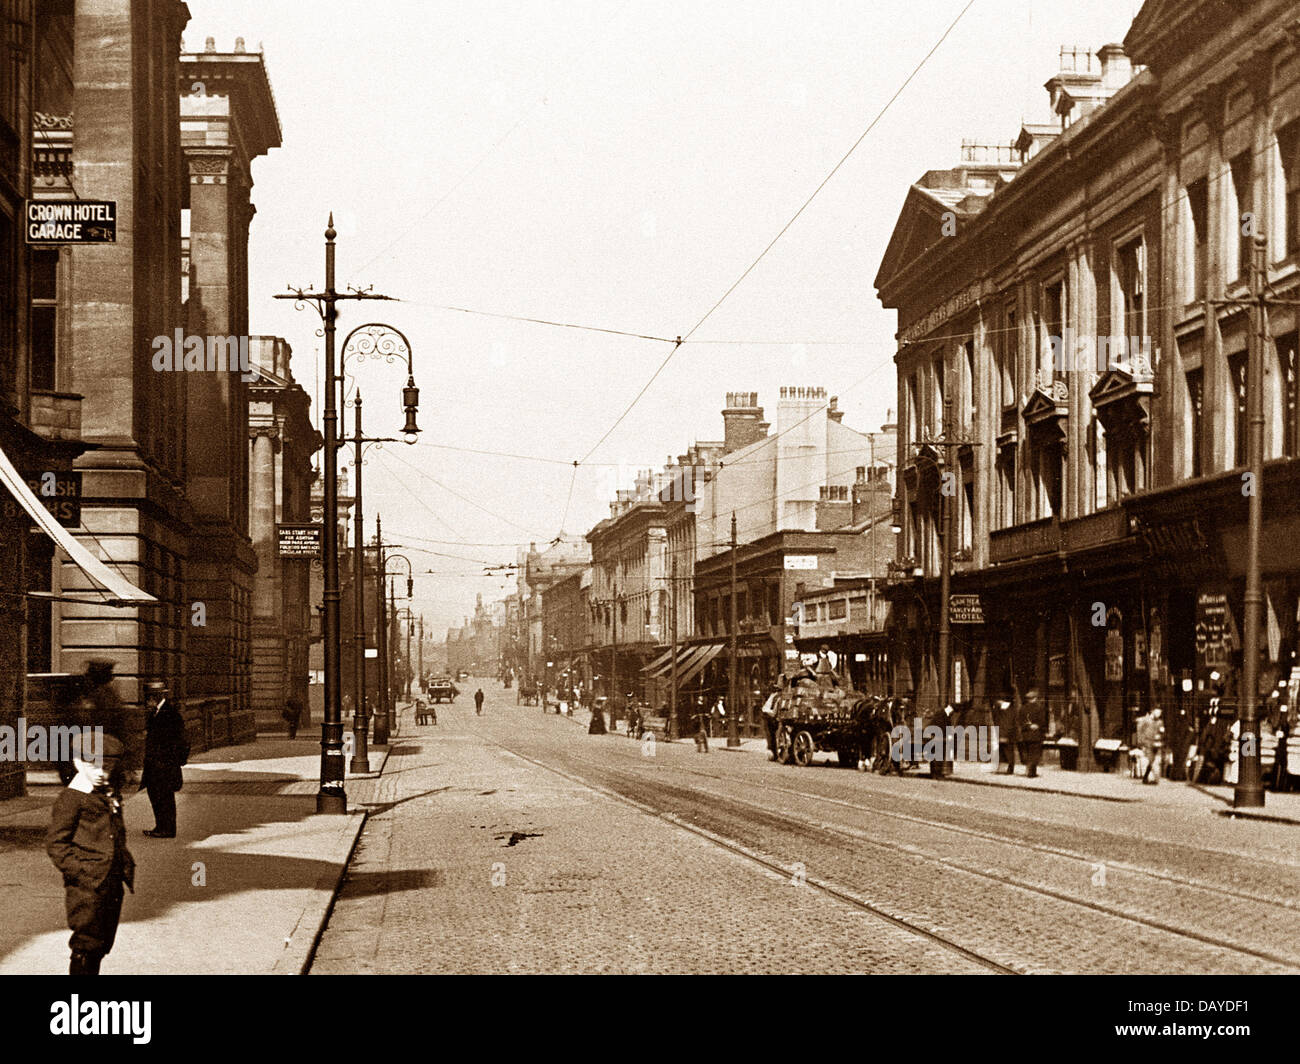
(87, 843)
(478, 702)
(166, 749)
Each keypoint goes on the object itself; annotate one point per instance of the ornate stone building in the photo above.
(1060, 293)
(281, 442)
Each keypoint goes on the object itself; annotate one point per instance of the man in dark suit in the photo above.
(87, 843)
(166, 749)
(1033, 727)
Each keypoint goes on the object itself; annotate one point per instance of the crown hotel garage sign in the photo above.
(55, 222)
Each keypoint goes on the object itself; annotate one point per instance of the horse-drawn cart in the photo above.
(812, 718)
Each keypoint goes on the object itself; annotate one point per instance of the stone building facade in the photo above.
(1059, 291)
(281, 443)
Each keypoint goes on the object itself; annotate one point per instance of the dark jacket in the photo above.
(87, 840)
(166, 748)
(1031, 721)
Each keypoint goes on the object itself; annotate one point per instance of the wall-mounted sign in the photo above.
(59, 492)
(1114, 646)
(300, 541)
(54, 222)
(372, 652)
(801, 561)
(965, 609)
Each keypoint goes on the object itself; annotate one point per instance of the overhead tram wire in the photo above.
(772, 243)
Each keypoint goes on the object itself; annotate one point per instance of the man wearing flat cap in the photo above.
(87, 843)
(166, 749)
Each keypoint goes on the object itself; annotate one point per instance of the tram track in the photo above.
(629, 783)
(770, 863)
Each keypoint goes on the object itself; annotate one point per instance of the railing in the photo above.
(1025, 541)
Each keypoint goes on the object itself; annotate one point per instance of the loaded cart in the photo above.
(818, 714)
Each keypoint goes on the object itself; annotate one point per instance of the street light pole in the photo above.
(947, 511)
(381, 638)
(360, 718)
(733, 680)
(1249, 792)
(331, 797)
(672, 689)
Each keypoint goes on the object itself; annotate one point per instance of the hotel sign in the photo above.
(51, 223)
(965, 609)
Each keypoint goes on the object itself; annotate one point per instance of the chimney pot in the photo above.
(210, 45)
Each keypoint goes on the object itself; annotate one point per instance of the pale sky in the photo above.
(615, 164)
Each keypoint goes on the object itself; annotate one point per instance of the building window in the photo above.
(1287, 182)
(1244, 225)
(1053, 333)
(1097, 444)
(1195, 411)
(44, 319)
(1130, 275)
(913, 410)
(1286, 357)
(967, 416)
(965, 537)
(1197, 220)
(939, 384)
(1006, 358)
(838, 610)
(1006, 515)
(1237, 377)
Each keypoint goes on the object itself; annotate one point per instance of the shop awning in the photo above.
(119, 590)
(663, 659)
(705, 655)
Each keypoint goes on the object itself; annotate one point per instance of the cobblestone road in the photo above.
(515, 842)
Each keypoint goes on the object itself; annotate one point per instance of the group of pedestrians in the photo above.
(87, 835)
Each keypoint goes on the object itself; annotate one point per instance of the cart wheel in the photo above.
(880, 761)
(804, 748)
(784, 744)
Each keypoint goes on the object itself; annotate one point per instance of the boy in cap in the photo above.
(87, 843)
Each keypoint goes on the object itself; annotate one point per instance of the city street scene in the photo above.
(559, 487)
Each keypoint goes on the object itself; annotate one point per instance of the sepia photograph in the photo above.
(613, 487)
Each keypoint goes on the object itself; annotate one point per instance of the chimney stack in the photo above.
(742, 421)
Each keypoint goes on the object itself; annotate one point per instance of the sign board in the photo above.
(965, 609)
(55, 222)
(300, 541)
(372, 652)
(59, 492)
(1214, 629)
(801, 561)
(792, 655)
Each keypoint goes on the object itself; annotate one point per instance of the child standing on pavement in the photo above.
(87, 843)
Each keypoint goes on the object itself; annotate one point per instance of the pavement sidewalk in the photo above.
(244, 888)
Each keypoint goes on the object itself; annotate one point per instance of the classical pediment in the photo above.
(1048, 403)
(1122, 395)
(928, 216)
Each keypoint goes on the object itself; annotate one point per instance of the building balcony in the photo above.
(1025, 541)
(51, 153)
(1104, 528)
